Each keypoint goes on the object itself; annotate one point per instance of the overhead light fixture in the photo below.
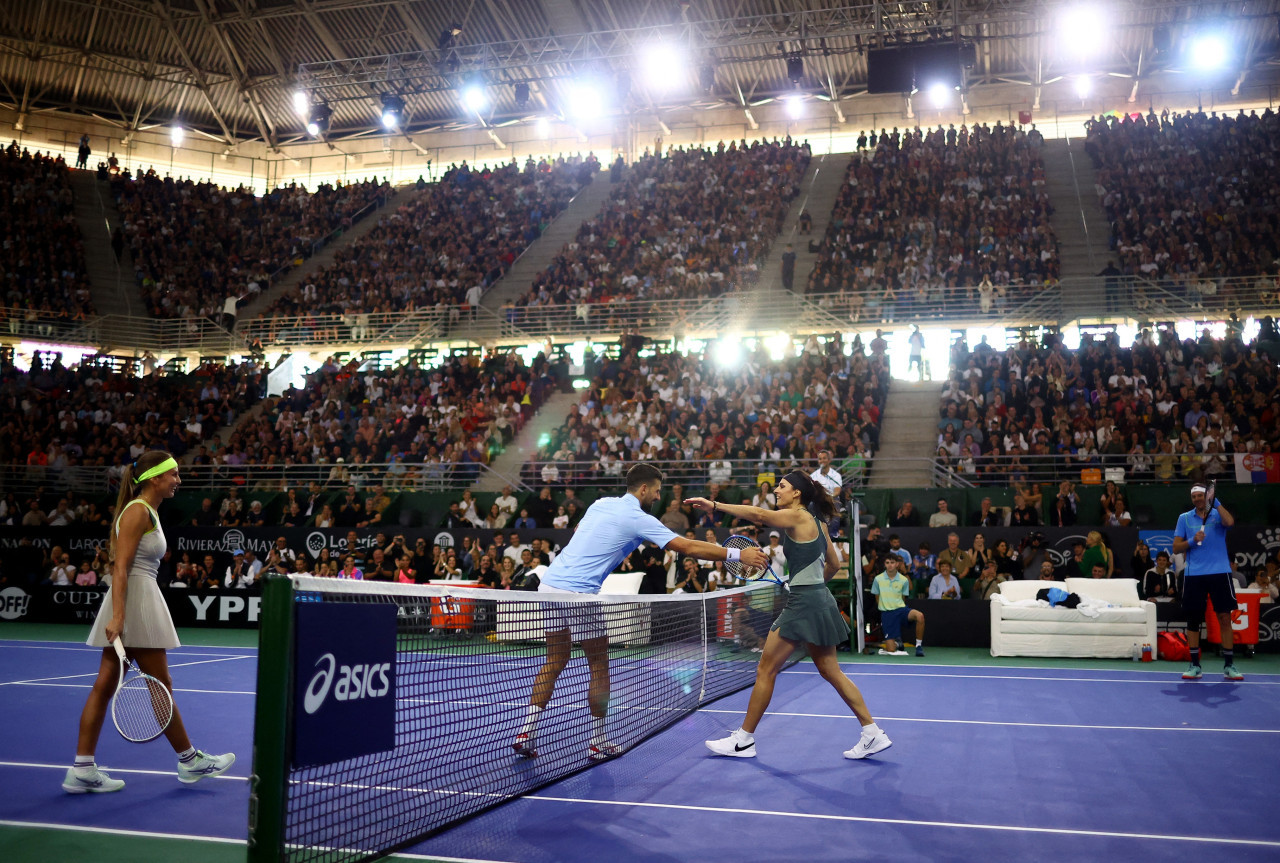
(795, 68)
(1081, 28)
(542, 127)
(1084, 86)
(446, 36)
(301, 102)
(522, 95)
(940, 94)
(1208, 52)
(794, 105)
(392, 110)
(176, 135)
(662, 64)
(318, 122)
(585, 101)
(707, 78)
(473, 96)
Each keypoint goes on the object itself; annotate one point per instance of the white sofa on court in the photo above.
(1018, 630)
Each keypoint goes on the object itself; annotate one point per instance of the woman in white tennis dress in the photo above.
(135, 612)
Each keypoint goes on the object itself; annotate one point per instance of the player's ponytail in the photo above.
(813, 495)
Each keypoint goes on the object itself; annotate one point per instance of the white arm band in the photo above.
(732, 553)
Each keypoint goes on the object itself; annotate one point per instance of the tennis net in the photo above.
(387, 712)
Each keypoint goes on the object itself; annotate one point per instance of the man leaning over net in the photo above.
(612, 528)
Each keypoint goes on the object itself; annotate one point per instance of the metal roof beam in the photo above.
(234, 61)
(198, 74)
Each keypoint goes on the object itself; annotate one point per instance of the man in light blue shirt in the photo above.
(1201, 535)
(612, 528)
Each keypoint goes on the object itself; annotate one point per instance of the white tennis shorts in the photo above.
(584, 620)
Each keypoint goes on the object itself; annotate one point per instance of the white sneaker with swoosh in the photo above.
(204, 766)
(732, 747)
(96, 782)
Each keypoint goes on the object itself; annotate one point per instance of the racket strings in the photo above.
(142, 708)
(736, 568)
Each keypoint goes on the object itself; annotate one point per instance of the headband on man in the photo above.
(1200, 487)
(802, 483)
(164, 467)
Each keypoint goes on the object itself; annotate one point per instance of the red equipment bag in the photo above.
(1173, 646)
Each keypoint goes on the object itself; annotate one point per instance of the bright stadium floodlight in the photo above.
(318, 122)
(939, 94)
(728, 352)
(392, 110)
(1084, 86)
(542, 127)
(1208, 52)
(795, 106)
(176, 135)
(1081, 28)
(662, 65)
(585, 101)
(473, 96)
(301, 102)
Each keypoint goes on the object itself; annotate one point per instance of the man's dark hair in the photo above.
(641, 475)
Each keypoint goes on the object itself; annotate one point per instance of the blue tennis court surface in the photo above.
(1107, 761)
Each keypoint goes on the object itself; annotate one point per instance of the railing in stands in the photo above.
(1147, 467)
(693, 474)
(1086, 299)
(29, 480)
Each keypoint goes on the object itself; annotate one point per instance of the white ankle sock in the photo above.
(187, 756)
(597, 730)
(531, 719)
(870, 730)
(743, 736)
(84, 765)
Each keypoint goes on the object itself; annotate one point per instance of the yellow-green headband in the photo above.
(164, 467)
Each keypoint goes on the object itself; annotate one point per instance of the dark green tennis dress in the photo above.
(811, 615)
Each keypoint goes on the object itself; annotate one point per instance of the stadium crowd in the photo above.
(421, 426)
(447, 245)
(1163, 409)
(1191, 198)
(718, 427)
(99, 414)
(691, 223)
(193, 245)
(934, 222)
(42, 268)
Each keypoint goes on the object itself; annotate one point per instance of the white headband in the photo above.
(1203, 489)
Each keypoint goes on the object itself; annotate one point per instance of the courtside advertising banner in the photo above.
(345, 692)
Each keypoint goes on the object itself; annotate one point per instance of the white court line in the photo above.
(138, 771)
(37, 680)
(27, 645)
(148, 834)
(1013, 724)
(907, 822)
(1172, 678)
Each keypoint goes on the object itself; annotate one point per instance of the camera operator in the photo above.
(1032, 551)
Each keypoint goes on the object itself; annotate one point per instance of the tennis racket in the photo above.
(142, 707)
(1210, 492)
(739, 570)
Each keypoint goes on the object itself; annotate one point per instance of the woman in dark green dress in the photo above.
(811, 617)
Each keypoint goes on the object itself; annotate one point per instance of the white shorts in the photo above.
(584, 620)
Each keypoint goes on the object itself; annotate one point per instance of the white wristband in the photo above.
(732, 553)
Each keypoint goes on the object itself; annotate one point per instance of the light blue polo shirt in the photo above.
(612, 528)
(1210, 557)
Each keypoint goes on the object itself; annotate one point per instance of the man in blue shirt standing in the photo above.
(1202, 536)
(611, 529)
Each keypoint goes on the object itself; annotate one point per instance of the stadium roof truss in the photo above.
(228, 69)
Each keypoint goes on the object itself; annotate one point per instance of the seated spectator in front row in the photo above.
(1264, 582)
(988, 582)
(1161, 583)
(943, 518)
(944, 585)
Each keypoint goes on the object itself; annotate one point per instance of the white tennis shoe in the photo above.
(204, 766)
(732, 747)
(95, 782)
(883, 652)
(867, 746)
(603, 751)
(523, 746)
